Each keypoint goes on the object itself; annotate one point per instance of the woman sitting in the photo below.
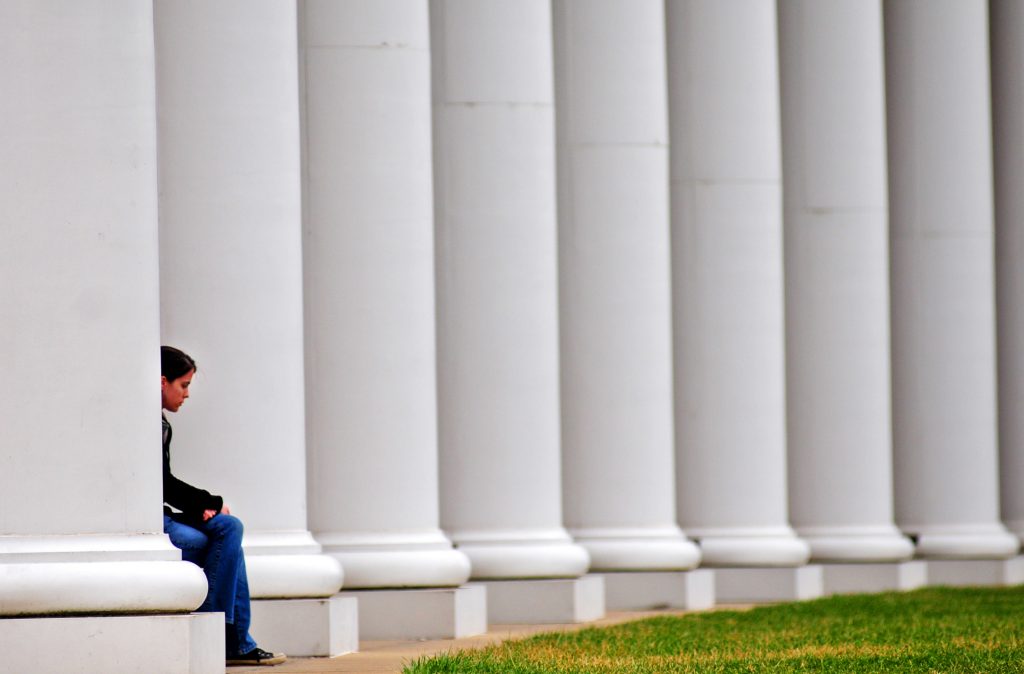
(205, 530)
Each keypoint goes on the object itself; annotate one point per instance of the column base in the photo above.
(857, 545)
(857, 578)
(518, 554)
(649, 590)
(91, 575)
(288, 565)
(766, 585)
(292, 576)
(752, 548)
(307, 627)
(964, 542)
(976, 572)
(550, 601)
(638, 549)
(90, 588)
(1016, 527)
(438, 613)
(397, 560)
(155, 644)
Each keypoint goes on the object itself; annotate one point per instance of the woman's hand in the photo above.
(209, 514)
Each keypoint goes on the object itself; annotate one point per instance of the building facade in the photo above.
(504, 310)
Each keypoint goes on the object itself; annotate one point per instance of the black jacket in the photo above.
(191, 501)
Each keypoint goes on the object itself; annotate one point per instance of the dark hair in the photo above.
(175, 363)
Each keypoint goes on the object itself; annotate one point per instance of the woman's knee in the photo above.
(185, 537)
(225, 525)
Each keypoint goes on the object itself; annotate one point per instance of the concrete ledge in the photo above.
(150, 644)
(433, 613)
(979, 572)
(649, 590)
(876, 577)
(767, 584)
(306, 627)
(558, 600)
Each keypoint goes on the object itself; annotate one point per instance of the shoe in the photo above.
(256, 656)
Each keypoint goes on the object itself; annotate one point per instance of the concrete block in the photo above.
(976, 572)
(146, 644)
(559, 600)
(881, 577)
(1014, 571)
(646, 590)
(307, 627)
(768, 584)
(433, 613)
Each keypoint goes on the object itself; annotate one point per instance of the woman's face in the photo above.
(175, 392)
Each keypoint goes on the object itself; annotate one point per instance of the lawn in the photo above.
(959, 630)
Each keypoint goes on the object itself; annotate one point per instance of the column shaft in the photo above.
(231, 275)
(80, 485)
(727, 282)
(943, 324)
(837, 281)
(1008, 119)
(615, 281)
(370, 294)
(497, 288)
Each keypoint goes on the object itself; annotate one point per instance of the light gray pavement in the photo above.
(391, 656)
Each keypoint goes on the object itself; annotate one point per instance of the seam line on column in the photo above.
(367, 47)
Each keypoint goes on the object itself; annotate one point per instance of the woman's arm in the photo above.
(185, 497)
(180, 494)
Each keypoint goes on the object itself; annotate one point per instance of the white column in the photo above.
(497, 288)
(943, 323)
(1008, 118)
(728, 285)
(80, 486)
(81, 478)
(231, 274)
(369, 275)
(837, 280)
(615, 281)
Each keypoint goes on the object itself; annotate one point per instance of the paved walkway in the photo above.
(390, 656)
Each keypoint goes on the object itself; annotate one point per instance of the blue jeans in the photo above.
(216, 546)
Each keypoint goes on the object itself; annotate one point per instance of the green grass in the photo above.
(931, 630)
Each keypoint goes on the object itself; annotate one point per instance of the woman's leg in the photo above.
(229, 585)
(222, 562)
(240, 639)
(219, 552)
(189, 540)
